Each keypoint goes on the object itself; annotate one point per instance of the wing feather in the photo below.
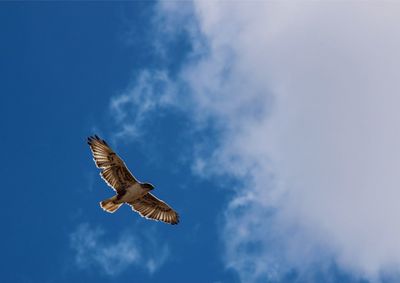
(114, 171)
(151, 207)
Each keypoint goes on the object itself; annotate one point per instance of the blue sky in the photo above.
(270, 128)
(61, 63)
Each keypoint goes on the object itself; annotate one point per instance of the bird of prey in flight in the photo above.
(129, 190)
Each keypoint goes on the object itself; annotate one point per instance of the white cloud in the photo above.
(93, 251)
(307, 96)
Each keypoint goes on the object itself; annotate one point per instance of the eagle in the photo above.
(128, 189)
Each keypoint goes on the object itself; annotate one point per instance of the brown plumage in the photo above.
(129, 190)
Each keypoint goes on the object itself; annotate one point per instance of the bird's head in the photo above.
(147, 186)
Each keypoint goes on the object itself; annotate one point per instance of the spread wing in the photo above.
(151, 207)
(114, 171)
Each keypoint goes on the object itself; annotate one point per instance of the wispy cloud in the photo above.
(149, 92)
(94, 249)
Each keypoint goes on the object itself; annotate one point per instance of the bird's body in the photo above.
(134, 192)
(129, 190)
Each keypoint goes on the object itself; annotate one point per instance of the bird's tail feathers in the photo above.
(109, 205)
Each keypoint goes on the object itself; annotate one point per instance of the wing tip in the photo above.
(95, 137)
(147, 217)
(176, 221)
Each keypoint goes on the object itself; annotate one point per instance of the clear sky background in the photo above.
(273, 129)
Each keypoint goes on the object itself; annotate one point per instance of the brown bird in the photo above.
(129, 190)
